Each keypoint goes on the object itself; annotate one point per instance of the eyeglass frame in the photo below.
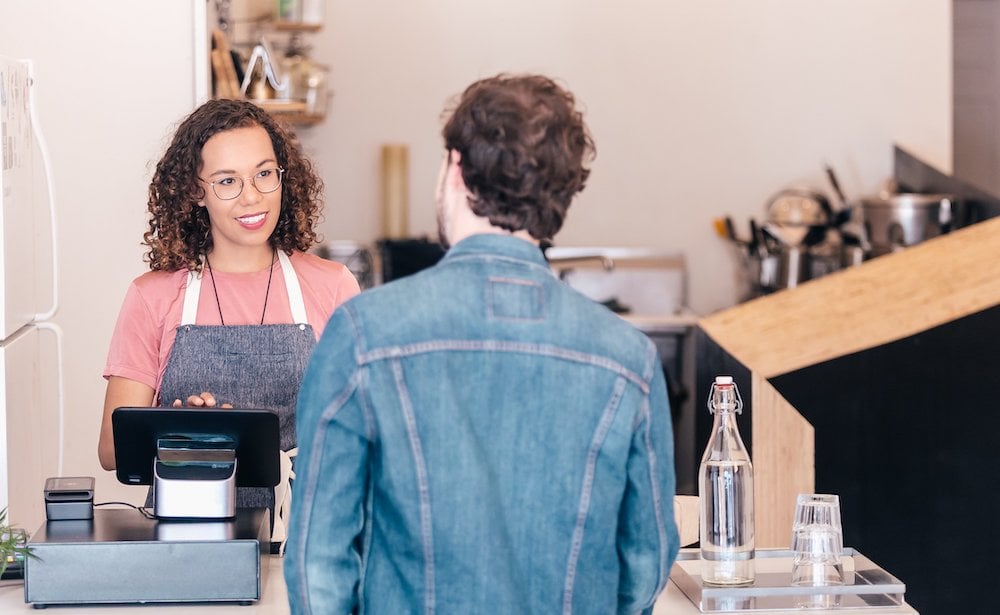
(243, 183)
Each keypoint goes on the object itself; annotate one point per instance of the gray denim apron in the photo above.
(248, 366)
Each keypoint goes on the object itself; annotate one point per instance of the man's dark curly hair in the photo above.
(524, 149)
(179, 230)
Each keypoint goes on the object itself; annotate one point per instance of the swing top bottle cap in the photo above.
(725, 396)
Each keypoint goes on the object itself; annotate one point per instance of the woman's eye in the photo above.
(265, 173)
(227, 181)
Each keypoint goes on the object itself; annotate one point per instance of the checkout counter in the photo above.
(274, 601)
(273, 598)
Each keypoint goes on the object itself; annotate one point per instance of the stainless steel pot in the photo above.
(896, 221)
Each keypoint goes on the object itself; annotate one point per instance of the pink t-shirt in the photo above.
(151, 312)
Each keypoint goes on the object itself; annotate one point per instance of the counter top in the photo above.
(668, 322)
(273, 602)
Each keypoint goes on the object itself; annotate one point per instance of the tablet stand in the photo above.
(194, 477)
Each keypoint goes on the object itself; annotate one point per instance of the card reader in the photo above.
(69, 497)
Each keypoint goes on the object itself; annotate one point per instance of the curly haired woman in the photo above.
(233, 304)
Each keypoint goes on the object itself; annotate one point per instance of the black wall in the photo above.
(908, 434)
(714, 361)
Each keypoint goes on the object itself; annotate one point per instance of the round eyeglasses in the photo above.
(231, 186)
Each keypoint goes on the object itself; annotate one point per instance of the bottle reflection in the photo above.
(730, 603)
(818, 601)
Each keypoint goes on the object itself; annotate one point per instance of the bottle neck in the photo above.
(725, 443)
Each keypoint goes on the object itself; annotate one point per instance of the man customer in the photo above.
(478, 437)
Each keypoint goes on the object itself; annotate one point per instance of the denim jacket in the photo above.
(480, 438)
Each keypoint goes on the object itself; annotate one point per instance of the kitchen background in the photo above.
(698, 108)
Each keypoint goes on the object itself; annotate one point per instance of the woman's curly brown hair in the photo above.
(179, 230)
(524, 149)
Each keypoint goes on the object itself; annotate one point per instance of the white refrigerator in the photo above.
(30, 379)
(109, 82)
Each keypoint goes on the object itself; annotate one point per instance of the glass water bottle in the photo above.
(725, 490)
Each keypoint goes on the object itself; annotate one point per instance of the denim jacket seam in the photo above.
(661, 530)
(596, 443)
(509, 280)
(423, 486)
(356, 333)
(651, 356)
(459, 345)
(315, 460)
(366, 548)
(366, 410)
(371, 429)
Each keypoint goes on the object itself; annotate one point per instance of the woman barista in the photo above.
(233, 304)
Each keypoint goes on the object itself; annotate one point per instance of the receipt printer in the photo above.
(69, 497)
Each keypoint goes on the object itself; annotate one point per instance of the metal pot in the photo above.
(893, 222)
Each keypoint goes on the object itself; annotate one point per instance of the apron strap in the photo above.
(298, 306)
(295, 300)
(191, 295)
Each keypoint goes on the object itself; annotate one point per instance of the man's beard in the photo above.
(439, 212)
(442, 234)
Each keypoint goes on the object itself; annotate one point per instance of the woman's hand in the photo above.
(204, 400)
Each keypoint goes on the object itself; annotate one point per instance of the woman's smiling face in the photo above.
(248, 220)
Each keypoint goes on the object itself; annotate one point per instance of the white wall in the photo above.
(112, 77)
(699, 108)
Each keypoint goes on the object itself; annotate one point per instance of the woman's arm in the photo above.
(120, 392)
(129, 393)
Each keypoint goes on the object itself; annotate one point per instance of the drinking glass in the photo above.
(817, 540)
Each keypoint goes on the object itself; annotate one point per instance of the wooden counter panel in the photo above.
(883, 300)
(783, 468)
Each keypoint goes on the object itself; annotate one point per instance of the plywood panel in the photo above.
(883, 300)
(686, 513)
(783, 463)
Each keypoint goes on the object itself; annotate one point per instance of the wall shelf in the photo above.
(291, 111)
(295, 26)
(227, 68)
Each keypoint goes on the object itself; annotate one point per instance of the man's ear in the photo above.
(454, 175)
(454, 162)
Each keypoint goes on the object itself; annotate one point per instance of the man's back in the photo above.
(508, 425)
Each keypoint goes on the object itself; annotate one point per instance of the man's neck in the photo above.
(466, 224)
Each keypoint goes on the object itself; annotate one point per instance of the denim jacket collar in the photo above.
(489, 245)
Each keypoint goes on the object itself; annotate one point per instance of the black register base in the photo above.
(123, 557)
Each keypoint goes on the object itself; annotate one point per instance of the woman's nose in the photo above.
(250, 193)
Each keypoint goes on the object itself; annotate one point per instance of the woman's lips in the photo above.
(252, 222)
